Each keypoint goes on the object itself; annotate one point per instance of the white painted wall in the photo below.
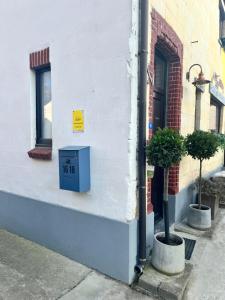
(93, 47)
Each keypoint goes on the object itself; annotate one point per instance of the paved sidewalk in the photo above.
(29, 271)
(208, 278)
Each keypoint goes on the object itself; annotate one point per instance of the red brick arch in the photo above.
(164, 38)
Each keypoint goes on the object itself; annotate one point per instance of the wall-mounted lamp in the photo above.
(200, 80)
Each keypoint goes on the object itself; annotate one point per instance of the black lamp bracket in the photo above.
(188, 73)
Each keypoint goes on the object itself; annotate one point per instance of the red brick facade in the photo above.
(166, 40)
(39, 58)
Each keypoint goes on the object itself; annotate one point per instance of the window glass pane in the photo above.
(159, 80)
(46, 100)
(215, 111)
(213, 120)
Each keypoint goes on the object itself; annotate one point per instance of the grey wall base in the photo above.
(179, 203)
(106, 245)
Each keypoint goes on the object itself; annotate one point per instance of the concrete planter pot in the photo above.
(199, 218)
(168, 259)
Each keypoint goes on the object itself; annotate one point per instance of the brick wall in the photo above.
(39, 58)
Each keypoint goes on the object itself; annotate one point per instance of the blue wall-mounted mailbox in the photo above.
(74, 168)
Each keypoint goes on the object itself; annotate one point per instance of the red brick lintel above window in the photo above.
(44, 153)
(39, 59)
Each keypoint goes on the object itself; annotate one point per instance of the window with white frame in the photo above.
(215, 115)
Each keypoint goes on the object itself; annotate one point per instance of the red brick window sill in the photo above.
(44, 153)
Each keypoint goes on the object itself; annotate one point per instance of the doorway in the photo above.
(159, 121)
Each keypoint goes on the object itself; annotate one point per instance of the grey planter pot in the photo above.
(168, 259)
(199, 218)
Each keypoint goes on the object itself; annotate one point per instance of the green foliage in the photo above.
(202, 144)
(221, 140)
(165, 149)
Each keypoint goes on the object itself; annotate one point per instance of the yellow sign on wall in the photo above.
(78, 120)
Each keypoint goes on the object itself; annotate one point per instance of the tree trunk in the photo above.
(200, 187)
(165, 206)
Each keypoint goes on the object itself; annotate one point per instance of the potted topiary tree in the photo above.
(200, 145)
(165, 149)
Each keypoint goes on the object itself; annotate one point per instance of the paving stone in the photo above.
(184, 227)
(164, 286)
(8, 278)
(207, 280)
(26, 267)
(174, 288)
(27, 289)
(99, 287)
(150, 280)
(29, 271)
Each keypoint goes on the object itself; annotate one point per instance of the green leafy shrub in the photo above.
(165, 149)
(221, 140)
(201, 145)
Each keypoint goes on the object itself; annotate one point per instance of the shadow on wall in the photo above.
(182, 201)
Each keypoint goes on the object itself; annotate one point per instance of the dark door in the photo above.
(159, 106)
